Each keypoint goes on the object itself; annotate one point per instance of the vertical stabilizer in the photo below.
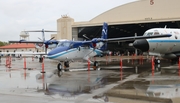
(104, 35)
(104, 31)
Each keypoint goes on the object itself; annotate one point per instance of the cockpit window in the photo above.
(66, 44)
(148, 33)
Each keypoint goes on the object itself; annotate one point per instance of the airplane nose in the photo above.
(143, 45)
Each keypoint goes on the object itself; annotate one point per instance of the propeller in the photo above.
(40, 38)
(43, 37)
(47, 43)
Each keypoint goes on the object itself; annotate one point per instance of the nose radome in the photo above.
(142, 45)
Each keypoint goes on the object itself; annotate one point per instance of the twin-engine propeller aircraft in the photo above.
(168, 48)
(67, 51)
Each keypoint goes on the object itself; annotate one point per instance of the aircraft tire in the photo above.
(66, 64)
(96, 64)
(59, 67)
(157, 61)
(40, 60)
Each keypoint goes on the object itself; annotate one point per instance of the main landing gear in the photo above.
(62, 66)
(65, 65)
(157, 60)
(41, 59)
(96, 65)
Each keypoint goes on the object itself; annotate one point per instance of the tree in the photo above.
(3, 43)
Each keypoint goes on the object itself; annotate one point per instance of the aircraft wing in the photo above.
(25, 41)
(45, 42)
(122, 39)
(25, 53)
(136, 38)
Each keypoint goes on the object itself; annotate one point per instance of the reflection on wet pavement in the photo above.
(161, 82)
(146, 84)
(73, 84)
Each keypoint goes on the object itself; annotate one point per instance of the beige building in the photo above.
(19, 47)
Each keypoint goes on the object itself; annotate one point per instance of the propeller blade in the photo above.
(46, 50)
(86, 37)
(52, 38)
(40, 38)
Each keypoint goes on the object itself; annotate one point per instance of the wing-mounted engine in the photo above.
(169, 56)
(39, 45)
(97, 43)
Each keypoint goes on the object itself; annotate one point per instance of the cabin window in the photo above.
(176, 37)
(71, 45)
(156, 33)
(67, 44)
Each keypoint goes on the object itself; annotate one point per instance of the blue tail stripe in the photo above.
(104, 35)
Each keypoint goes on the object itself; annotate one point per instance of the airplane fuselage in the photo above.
(66, 51)
(168, 47)
(75, 53)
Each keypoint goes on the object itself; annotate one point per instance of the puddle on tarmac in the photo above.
(71, 84)
(162, 82)
(79, 82)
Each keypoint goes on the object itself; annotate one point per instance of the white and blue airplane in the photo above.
(168, 48)
(67, 51)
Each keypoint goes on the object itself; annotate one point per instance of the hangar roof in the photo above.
(138, 12)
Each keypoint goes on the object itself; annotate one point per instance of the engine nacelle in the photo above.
(98, 45)
(41, 46)
(169, 56)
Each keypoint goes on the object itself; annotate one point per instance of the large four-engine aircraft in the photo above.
(168, 48)
(67, 51)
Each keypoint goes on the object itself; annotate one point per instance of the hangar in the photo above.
(125, 20)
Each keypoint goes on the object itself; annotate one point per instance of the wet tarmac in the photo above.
(132, 80)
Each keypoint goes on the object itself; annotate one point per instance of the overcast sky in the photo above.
(19, 15)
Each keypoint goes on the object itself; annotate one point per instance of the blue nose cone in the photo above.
(56, 52)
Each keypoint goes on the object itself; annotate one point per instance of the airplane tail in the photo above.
(104, 35)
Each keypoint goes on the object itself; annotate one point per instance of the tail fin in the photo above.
(104, 31)
(104, 35)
